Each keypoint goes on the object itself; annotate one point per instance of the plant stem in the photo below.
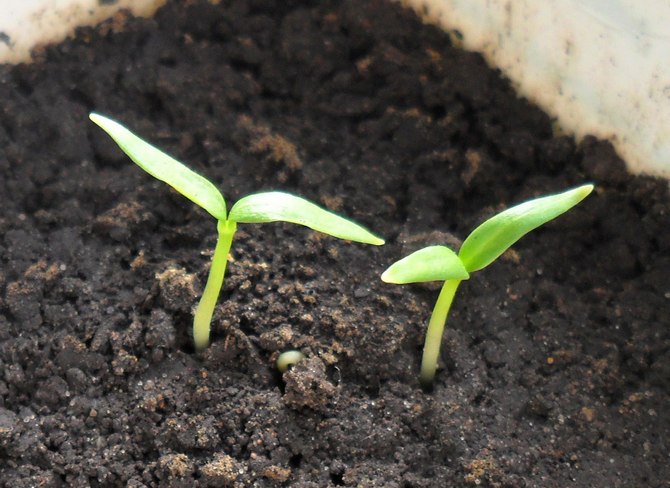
(431, 348)
(203, 313)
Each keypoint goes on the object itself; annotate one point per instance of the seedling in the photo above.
(257, 208)
(483, 246)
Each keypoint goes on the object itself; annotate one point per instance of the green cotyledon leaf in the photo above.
(196, 188)
(432, 263)
(278, 206)
(497, 234)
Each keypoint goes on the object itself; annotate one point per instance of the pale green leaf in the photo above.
(432, 263)
(279, 206)
(492, 238)
(165, 168)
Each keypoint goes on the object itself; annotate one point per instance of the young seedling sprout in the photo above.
(257, 208)
(483, 246)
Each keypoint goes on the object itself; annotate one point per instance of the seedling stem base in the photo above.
(431, 348)
(203, 313)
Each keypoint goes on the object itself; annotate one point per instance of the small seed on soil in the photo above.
(288, 359)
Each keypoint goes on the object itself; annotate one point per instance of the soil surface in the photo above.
(555, 369)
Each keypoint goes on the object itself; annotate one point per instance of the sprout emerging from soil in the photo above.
(483, 246)
(257, 208)
(288, 359)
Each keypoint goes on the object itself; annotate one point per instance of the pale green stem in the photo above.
(203, 313)
(431, 348)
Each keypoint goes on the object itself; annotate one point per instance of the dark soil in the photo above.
(556, 359)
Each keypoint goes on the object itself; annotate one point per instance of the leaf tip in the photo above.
(95, 117)
(585, 190)
(377, 241)
(103, 122)
(386, 276)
